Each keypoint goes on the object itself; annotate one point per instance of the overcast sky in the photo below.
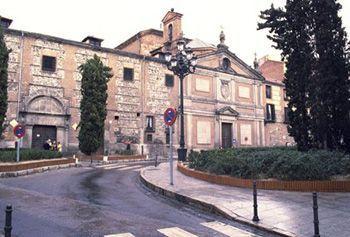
(115, 21)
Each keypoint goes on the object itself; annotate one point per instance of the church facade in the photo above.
(224, 100)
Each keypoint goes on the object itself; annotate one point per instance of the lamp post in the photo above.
(182, 63)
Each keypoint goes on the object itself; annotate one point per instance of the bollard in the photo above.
(316, 221)
(8, 221)
(255, 205)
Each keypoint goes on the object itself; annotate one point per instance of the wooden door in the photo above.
(226, 135)
(41, 134)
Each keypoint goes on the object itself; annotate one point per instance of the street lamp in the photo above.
(181, 64)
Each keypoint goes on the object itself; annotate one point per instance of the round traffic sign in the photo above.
(169, 116)
(19, 131)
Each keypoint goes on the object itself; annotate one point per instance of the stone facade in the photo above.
(224, 102)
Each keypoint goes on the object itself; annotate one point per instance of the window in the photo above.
(116, 117)
(150, 123)
(226, 63)
(149, 138)
(270, 113)
(268, 92)
(169, 80)
(138, 114)
(170, 32)
(128, 74)
(285, 94)
(48, 63)
(286, 117)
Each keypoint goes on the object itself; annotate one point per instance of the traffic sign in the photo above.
(169, 116)
(19, 131)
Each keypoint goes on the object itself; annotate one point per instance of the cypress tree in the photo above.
(4, 57)
(289, 30)
(330, 97)
(93, 104)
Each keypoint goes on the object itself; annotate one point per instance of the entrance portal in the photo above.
(226, 133)
(41, 134)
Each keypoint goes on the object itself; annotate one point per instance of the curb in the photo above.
(208, 207)
(36, 170)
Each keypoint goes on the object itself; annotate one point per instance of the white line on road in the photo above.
(228, 230)
(120, 235)
(176, 232)
(115, 166)
(131, 167)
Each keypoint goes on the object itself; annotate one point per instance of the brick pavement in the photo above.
(287, 211)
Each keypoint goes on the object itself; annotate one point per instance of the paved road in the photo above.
(102, 201)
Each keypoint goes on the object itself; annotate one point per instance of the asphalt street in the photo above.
(98, 201)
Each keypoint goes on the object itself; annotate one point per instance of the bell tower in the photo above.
(171, 27)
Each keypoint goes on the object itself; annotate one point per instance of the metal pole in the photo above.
(17, 153)
(182, 151)
(171, 155)
(316, 221)
(255, 205)
(8, 221)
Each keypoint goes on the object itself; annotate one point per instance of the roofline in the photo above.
(274, 83)
(82, 45)
(109, 50)
(92, 37)
(139, 35)
(176, 14)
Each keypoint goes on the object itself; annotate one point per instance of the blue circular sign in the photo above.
(169, 116)
(19, 131)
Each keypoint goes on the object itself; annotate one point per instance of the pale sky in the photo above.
(115, 21)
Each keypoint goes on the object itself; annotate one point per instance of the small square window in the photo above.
(149, 138)
(116, 117)
(138, 114)
(169, 80)
(128, 74)
(48, 63)
(268, 92)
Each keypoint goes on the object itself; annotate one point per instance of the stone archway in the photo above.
(45, 112)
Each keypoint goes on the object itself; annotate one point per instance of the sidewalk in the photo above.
(289, 213)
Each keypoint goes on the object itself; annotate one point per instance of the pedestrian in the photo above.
(46, 145)
(54, 146)
(59, 147)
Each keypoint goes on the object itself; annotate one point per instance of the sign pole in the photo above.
(17, 155)
(171, 155)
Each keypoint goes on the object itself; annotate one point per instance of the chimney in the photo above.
(92, 41)
(5, 22)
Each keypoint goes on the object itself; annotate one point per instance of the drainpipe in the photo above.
(20, 75)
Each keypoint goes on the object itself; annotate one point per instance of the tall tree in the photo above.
(290, 30)
(330, 97)
(4, 57)
(95, 76)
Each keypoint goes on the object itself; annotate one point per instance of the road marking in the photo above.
(113, 167)
(175, 232)
(228, 230)
(131, 167)
(120, 235)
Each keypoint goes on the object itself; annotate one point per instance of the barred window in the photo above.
(128, 74)
(169, 80)
(48, 63)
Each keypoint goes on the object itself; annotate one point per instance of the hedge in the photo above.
(283, 163)
(9, 155)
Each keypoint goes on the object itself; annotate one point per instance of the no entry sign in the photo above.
(169, 116)
(19, 131)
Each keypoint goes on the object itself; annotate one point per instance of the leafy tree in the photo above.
(290, 30)
(330, 95)
(4, 57)
(93, 104)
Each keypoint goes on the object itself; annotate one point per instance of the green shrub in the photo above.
(284, 163)
(9, 155)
